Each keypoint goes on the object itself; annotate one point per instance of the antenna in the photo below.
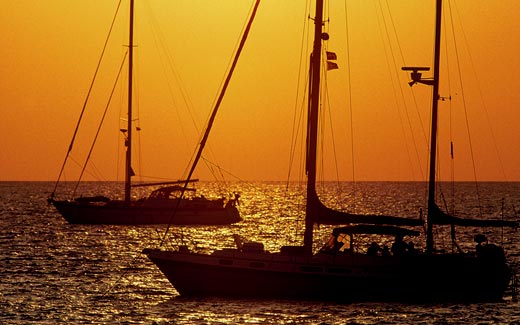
(417, 76)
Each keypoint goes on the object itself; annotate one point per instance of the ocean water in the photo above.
(55, 273)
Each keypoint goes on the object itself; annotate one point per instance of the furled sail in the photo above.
(324, 215)
(439, 217)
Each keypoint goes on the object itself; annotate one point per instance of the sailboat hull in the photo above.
(349, 278)
(142, 213)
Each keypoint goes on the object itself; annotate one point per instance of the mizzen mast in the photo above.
(433, 145)
(128, 141)
(417, 78)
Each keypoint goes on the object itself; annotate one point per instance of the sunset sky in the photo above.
(50, 51)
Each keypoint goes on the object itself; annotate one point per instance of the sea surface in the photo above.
(52, 272)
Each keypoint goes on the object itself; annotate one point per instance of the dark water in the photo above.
(52, 272)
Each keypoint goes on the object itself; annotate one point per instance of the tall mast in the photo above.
(312, 127)
(128, 142)
(433, 147)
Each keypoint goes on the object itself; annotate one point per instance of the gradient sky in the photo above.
(50, 50)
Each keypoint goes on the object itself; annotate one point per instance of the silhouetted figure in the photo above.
(479, 239)
(373, 249)
(385, 251)
(399, 246)
(411, 248)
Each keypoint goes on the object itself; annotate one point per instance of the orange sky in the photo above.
(50, 49)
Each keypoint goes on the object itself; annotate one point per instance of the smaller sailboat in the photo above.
(166, 205)
(172, 204)
(339, 271)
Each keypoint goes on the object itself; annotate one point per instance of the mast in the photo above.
(315, 210)
(312, 127)
(433, 147)
(128, 141)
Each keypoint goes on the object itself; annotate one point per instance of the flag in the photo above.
(332, 65)
(331, 56)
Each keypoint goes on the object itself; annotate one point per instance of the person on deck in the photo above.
(399, 246)
(373, 249)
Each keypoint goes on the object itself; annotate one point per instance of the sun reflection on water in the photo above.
(53, 272)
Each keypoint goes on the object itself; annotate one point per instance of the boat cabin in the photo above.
(169, 192)
(350, 239)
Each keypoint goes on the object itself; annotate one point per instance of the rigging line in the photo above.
(479, 88)
(427, 154)
(299, 112)
(95, 175)
(390, 53)
(128, 269)
(296, 133)
(321, 131)
(452, 160)
(400, 87)
(401, 92)
(321, 126)
(466, 117)
(211, 153)
(122, 275)
(217, 174)
(403, 60)
(338, 184)
(211, 170)
(329, 110)
(86, 100)
(350, 107)
(100, 125)
(95, 172)
(325, 103)
(219, 177)
(414, 98)
(168, 62)
(136, 107)
(297, 118)
(215, 110)
(121, 136)
(223, 87)
(221, 169)
(233, 60)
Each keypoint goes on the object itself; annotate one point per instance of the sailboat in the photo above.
(170, 204)
(338, 271)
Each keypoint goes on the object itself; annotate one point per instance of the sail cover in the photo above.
(439, 217)
(323, 215)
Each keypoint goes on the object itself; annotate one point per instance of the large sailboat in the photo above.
(171, 203)
(339, 271)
